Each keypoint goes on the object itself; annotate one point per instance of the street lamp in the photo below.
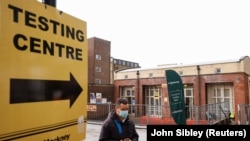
(50, 2)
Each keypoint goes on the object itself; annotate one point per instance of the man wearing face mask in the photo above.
(118, 126)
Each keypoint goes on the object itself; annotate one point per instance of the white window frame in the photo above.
(98, 69)
(98, 81)
(153, 99)
(98, 57)
(189, 105)
(217, 94)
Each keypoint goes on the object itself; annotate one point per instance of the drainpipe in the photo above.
(198, 77)
(50, 2)
(138, 110)
(138, 86)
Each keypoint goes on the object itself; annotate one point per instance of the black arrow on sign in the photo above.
(29, 90)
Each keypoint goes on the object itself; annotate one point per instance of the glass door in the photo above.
(153, 101)
(128, 93)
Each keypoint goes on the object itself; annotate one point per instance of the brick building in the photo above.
(101, 67)
(204, 83)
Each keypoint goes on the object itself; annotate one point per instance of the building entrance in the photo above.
(153, 98)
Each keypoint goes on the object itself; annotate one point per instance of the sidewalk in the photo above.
(100, 123)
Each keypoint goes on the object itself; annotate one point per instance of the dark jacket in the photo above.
(109, 130)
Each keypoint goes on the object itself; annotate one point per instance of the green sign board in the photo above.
(176, 97)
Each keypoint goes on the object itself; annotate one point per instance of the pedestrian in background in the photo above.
(118, 126)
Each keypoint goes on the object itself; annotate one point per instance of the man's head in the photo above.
(121, 108)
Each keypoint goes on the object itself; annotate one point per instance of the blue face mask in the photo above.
(123, 113)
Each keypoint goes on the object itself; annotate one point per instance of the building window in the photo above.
(220, 93)
(128, 93)
(150, 75)
(153, 96)
(115, 62)
(126, 76)
(189, 101)
(123, 63)
(98, 81)
(98, 69)
(217, 70)
(98, 57)
(181, 73)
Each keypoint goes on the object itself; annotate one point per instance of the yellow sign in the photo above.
(156, 94)
(43, 54)
(92, 108)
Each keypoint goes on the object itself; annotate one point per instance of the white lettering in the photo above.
(186, 132)
(162, 133)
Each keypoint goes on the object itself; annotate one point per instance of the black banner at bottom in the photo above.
(198, 132)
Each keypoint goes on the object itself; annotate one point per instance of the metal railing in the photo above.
(142, 114)
(217, 113)
(243, 114)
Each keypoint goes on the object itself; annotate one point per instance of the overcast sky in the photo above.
(155, 32)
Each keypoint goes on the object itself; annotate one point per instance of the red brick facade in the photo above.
(238, 80)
